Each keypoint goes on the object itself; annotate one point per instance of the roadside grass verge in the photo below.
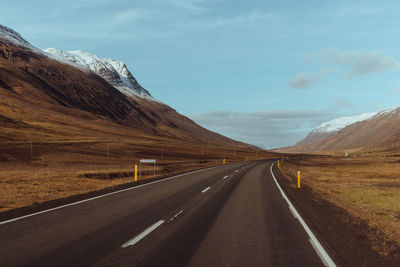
(366, 187)
(55, 170)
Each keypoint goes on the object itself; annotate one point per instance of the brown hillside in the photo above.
(38, 93)
(381, 132)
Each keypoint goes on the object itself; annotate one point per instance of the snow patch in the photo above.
(340, 123)
(15, 38)
(386, 112)
(113, 71)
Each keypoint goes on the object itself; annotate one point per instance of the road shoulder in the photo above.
(344, 236)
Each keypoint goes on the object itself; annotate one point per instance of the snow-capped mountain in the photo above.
(12, 36)
(370, 131)
(330, 127)
(8, 34)
(113, 71)
(338, 124)
(69, 93)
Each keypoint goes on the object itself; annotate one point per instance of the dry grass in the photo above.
(367, 187)
(62, 169)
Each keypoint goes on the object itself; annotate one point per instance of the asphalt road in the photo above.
(232, 215)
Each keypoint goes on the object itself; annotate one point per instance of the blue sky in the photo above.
(263, 72)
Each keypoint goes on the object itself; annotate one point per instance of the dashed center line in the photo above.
(105, 195)
(205, 190)
(236, 170)
(226, 176)
(174, 217)
(143, 234)
(179, 213)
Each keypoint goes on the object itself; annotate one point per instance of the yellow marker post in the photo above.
(278, 164)
(135, 172)
(223, 161)
(246, 159)
(298, 179)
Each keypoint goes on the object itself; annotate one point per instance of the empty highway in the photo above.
(231, 215)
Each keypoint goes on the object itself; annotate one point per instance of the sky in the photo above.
(263, 72)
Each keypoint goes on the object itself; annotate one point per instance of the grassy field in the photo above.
(367, 186)
(42, 171)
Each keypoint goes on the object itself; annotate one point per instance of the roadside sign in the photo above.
(150, 161)
(147, 161)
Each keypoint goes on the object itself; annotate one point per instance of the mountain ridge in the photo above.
(328, 128)
(54, 100)
(379, 132)
(112, 70)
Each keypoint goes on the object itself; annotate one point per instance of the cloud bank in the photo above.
(351, 63)
(267, 129)
(359, 62)
(342, 102)
(306, 80)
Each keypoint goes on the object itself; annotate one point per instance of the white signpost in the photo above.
(148, 161)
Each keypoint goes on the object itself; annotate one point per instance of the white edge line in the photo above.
(142, 235)
(291, 210)
(105, 195)
(205, 190)
(318, 247)
(226, 176)
(319, 254)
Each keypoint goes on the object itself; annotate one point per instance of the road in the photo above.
(232, 215)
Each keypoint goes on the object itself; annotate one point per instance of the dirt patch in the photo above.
(388, 185)
(107, 175)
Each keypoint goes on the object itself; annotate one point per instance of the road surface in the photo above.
(232, 215)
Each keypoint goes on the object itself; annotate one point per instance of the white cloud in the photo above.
(89, 3)
(306, 80)
(354, 10)
(341, 102)
(352, 63)
(359, 62)
(192, 5)
(268, 129)
(128, 15)
(240, 20)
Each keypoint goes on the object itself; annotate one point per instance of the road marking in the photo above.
(319, 254)
(326, 260)
(205, 190)
(236, 170)
(179, 213)
(174, 217)
(291, 210)
(142, 235)
(105, 195)
(226, 176)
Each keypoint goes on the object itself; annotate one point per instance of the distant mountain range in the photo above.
(331, 127)
(52, 95)
(368, 131)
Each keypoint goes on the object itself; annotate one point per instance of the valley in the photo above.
(73, 125)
